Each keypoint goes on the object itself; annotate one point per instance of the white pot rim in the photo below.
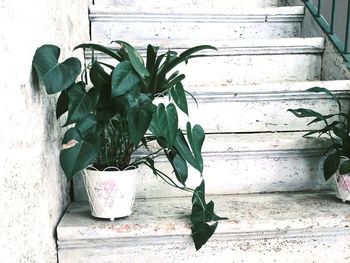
(111, 169)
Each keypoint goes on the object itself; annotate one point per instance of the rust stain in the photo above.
(169, 226)
(127, 228)
(347, 218)
(232, 221)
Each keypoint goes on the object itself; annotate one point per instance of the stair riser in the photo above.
(238, 68)
(227, 173)
(262, 112)
(196, 4)
(279, 248)
(164, 32)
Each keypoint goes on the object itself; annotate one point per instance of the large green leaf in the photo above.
(62, 104)
(77, 153)
(202, 232)
(165, 124)
(139, 119)
(55, 76)
(71, 134)
(184, 150)
(124, 79)
(135, 59)
(331, 164)
(196, 138)
(151, 58)
(87, 125)
(201, 214)
(178, 94)
(179, 165)
(100, 78)
(81, 103)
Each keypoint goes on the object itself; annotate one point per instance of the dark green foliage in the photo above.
(336, 128)
(112, 113)
(55, 76)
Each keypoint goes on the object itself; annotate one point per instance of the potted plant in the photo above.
(111, 113)
(336, 126)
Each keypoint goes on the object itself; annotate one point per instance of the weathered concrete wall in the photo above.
(33, 189)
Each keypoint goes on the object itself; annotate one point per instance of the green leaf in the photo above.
(302, 113)
(78, 152)
(87, 125)
(311, 132)
(179, 165)
(179, 97)
(210, 215)
(81, 103)
(71, 134)
(201, 233)
(331, 165)
(173, 82)
(198, 205)
(196, 138)
(324, 117)
(318, 89)
(344, 167)
(151, 58)
(62, 104)
(108, 51)
(135, 59)
(346, 146)
(201, 214)
(184, 150)
(55, 76)
(186, 55)
(100, 78)
(165, 124)
(139, 119)
(124, 79)
(341, 133)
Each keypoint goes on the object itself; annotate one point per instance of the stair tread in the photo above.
(223, 46)
(208, 4)
(260, 143)
(250, 216)
(98, 11)
(267, 88)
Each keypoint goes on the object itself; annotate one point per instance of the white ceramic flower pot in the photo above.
(343, 184)
(111, 193)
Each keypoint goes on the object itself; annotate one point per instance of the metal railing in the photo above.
(328, 25)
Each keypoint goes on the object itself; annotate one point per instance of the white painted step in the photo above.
(243, 163)
(281, 227)
(164, 27)
(153, 5)
(261, 108)
(250, 61)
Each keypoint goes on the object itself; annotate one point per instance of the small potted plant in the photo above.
(337, 128)
(111, 113)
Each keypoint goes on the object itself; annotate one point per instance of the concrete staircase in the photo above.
(259, 170)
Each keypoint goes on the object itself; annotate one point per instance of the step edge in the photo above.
(299, 86)
(282, 10)
(220, 236)
(278, 46)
